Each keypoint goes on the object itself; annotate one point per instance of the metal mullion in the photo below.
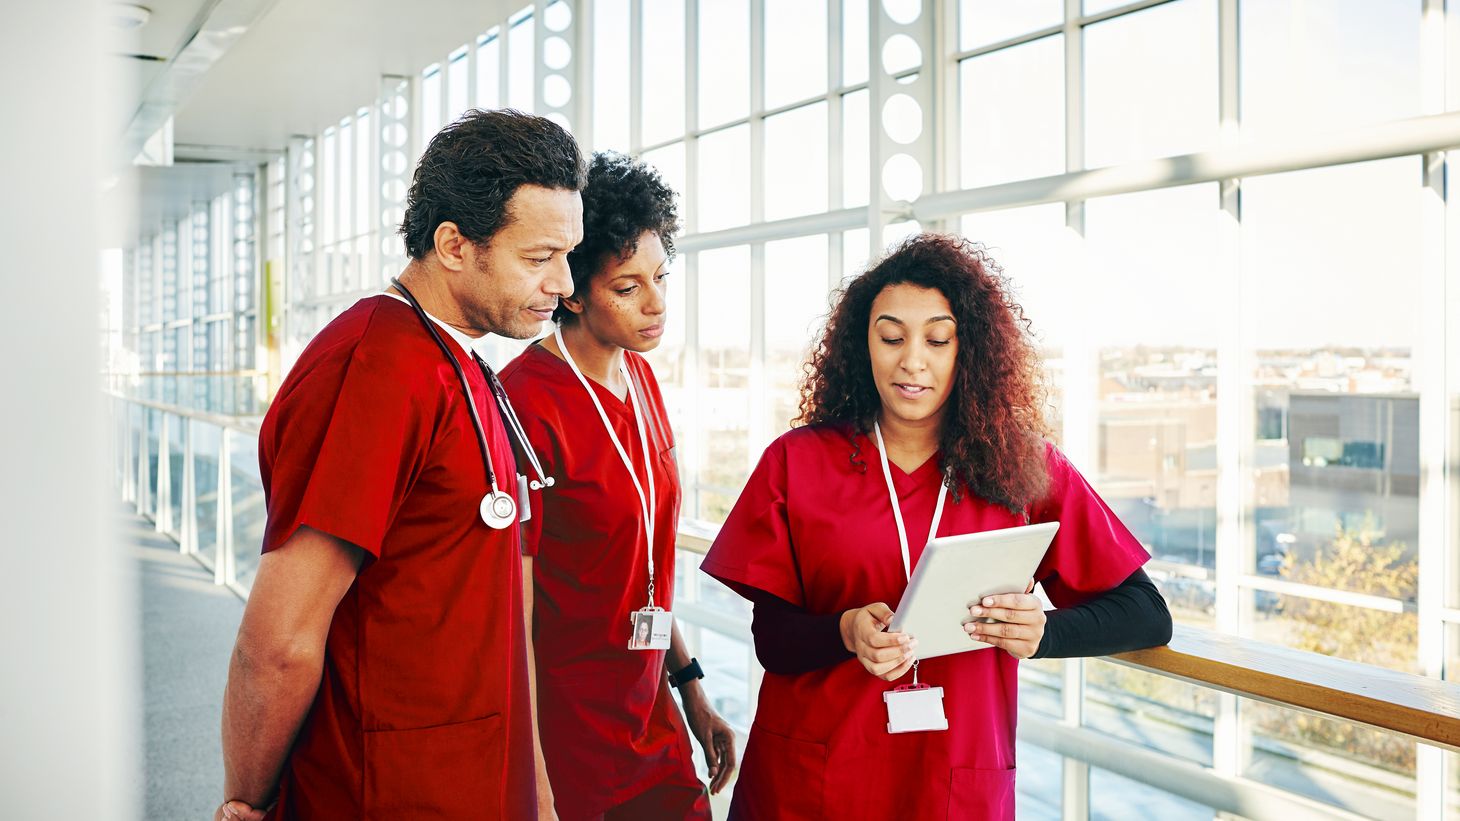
(445, 90)
(504, 35)
(375, 231)
(841, 219)
(947, 129)
(636, 77)
(666, 143)
(1231, 734)
(188, 528)
(691, 68)
(834, 124)
(696, 133)
(581, 69)
(1020, 40)
(471, 75)
(345, 219)
(1110, 14)
(1080, 367)
(1075, 774)
(877, 200)
(129, 447)
(1365, 601)
(1080, 374)
(757, 113)
(539, 71)
(162, 522)
(223, 522)
(144, 470)
(337, 280)
(1435, 443)
(1450, 612)
(1399, 138)
(792, 106)
(756, 429)
(695, 388)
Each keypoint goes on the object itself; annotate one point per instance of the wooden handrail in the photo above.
(1425, 709)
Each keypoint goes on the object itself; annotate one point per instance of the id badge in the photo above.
(650, 628)
(915, 708)
(524, 507)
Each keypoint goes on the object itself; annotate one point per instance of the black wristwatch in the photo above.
(686, 674)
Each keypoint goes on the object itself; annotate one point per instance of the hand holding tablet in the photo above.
(955, 573)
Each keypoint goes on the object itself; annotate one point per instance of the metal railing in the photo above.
(194, 475)
(181, 468)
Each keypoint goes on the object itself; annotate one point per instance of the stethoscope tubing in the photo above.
(504, 406)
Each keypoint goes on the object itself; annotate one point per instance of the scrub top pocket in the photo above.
(448, 771)
(987, 795)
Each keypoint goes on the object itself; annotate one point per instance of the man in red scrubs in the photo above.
(382, 666)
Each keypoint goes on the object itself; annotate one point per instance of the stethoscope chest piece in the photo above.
(498, 510)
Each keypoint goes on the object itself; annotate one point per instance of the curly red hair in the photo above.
(992, 441)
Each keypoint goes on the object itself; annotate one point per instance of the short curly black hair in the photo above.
(473, 166)
(622, 199)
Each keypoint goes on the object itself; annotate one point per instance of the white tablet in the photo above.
(956, 571)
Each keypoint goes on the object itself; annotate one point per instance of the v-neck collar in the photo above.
(905, 481)
(610, 401)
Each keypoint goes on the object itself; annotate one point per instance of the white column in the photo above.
(554, 97)
(68, 607)
(393, 169)
(300, 282)
(903, 155)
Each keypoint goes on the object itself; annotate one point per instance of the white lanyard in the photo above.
(646, 504)
(897, 515)
(897, 508)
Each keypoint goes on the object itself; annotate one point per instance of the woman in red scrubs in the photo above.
(923, 393)
(603, 536)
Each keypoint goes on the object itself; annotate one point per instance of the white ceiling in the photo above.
(136, 57)
(296, 67)
(307, 63)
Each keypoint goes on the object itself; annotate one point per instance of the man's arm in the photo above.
(278, 658)
(716, 737)
(545, 808)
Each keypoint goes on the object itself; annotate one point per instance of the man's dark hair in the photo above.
(473, 166)
(622, 199)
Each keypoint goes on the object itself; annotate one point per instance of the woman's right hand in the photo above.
(885, 655)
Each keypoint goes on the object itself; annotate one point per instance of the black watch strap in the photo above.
(686, 674)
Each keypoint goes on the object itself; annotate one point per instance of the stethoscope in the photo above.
(498, 509)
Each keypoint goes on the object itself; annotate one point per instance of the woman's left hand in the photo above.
(714, 734)
(1018, 623)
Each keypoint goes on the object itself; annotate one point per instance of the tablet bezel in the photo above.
(934, 623)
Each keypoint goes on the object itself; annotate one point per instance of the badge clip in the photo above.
(651, 628)
(915, 708)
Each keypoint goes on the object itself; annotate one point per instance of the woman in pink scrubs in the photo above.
(603, 535)
(923, 392)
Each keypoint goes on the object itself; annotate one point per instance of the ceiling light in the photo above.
(129, 16)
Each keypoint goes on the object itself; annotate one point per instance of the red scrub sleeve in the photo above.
(347, 451)
(753, 552)
(1092, 552)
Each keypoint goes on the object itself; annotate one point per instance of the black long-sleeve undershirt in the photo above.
(1130, 616)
